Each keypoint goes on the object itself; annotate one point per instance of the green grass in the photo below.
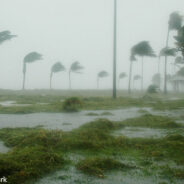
(97, 166)
(36, 151)
(150, 121)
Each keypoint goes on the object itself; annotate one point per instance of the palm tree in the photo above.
(57, 67)
(143, 49)
(115, 49)
(101, 74)
(29, 58)
(122, 76)
(175, 23)
(74, 68)
(132, 59)
(5, 36)
(166, 52)
(136, 78)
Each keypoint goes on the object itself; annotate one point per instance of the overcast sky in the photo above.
(79, 30)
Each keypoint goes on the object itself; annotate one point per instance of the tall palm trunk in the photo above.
(142, 73)
(165, 73)
(115, 45)
(51, 74)
(24, 76)
(130, 78)
(70, 86)
(158, 65)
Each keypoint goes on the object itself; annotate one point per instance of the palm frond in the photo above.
(76, 67)
(103, 74)
(31, 57)
(180, 40)
(175, 21)
(6, 35)
(57, 67)
(122, 75)
(143, 49)
(168, 52)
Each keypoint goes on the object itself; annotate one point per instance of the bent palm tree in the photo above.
(175, 23)
(143, 49)
(101, 74)
(5, 36)
(122, 76)
(132, 59)
(74, 68)
(57, 67)
(166, 52)
(29, 58)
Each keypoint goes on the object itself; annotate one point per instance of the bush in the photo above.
(72, 104)
(152, 89)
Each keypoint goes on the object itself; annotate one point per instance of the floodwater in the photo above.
(69, 121)
(11, 103)
(134, 176)
(134, 132)
(62, 121)
(139, 132)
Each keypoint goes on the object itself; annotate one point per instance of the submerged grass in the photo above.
(97, 166)
(59, 103)
(36, 151)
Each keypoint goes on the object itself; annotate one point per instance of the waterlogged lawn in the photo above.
(33, 104)
(98, 156)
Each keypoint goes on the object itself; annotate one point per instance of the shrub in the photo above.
(152, 89)
(72, 104)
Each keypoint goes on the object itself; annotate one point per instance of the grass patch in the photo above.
(150, 121)
(97, 166)
(36, 151)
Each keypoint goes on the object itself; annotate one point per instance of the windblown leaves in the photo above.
(57, 67)
(175, 21)
(5, 36)
(143, 49)
(103, 74)
(32, 57)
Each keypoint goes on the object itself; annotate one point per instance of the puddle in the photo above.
(133, 132)
(64, 121)
(3, 148)
(72, 175)
(11, 103)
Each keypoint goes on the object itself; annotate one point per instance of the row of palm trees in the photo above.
(143, 49)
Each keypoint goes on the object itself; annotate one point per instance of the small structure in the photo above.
(177, 82)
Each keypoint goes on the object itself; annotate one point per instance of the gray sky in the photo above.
(70, 30)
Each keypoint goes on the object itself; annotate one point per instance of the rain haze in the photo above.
(92, 91)
(80, 30)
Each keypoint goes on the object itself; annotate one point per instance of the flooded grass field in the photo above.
(99, 141)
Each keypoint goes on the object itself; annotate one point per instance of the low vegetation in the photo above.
(37, 151)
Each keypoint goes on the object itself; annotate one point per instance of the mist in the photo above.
(80, 30)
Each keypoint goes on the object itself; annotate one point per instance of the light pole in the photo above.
(115, 49)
